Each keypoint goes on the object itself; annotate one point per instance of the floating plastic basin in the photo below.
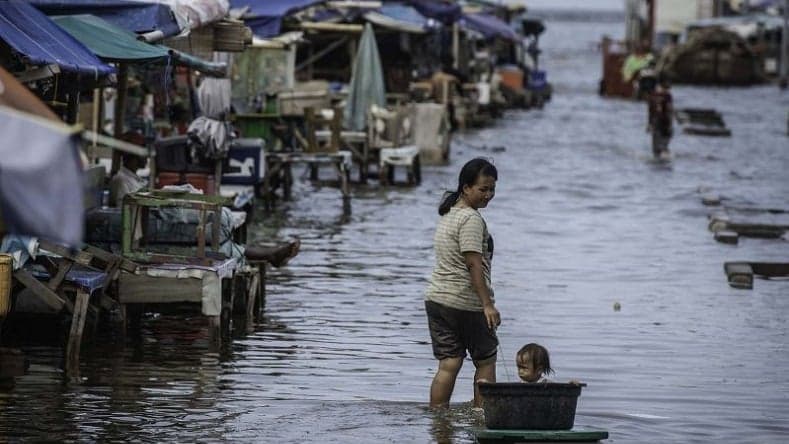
(530, 406)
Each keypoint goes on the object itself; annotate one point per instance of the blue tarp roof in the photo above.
(446, 12)
(265, 16)
(42, 42)
(133, 16)
(490, 26)
(404, 13)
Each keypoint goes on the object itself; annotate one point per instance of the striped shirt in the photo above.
(459, 231)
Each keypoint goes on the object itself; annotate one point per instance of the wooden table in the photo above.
(279, 169)
(356, 143)
(213, 286)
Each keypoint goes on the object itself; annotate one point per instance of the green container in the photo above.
(251, 125)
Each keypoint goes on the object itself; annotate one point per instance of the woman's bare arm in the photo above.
(474, 265)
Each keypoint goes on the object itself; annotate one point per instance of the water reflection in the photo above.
(455, 424)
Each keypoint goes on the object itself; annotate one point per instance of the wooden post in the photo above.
(201, 234)
(72, 109)
(260, 302)
(252, 295)
(94, 122)
(784, 81)
(215, 229)
(152, 166)
(455, 45)
(215, 325)
(75, 333)
(650, 22)
(120, 107)
(217, 177)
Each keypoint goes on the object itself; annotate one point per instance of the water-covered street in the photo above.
(583, 219)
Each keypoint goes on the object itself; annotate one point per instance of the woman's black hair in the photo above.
(468, 176)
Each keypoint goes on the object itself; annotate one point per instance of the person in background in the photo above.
(661, 112)
(640, 59)
(126, 180)
(459, 301)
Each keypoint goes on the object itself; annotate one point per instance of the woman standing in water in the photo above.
(459, 300)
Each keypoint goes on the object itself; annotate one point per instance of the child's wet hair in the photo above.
(539, 357)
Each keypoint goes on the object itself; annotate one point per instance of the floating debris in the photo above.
(701, 121)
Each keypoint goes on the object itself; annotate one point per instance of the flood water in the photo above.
(582, 219)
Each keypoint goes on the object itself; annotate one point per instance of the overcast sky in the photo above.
(574, 4)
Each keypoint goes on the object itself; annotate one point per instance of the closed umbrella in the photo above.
(367, 83)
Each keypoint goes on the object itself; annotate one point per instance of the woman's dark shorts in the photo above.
(454, 331)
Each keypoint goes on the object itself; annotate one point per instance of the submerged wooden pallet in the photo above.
(721, 223)
(575, 435)
(740, 274)
(702, 122)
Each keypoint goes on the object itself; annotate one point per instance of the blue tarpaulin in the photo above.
(400, 17)
(489, 26)
(133, 16)
(41, 42)
(265, 16)
(446, 12)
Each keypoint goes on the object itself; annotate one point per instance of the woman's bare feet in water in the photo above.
(278, 255)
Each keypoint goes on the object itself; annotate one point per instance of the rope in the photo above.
(506, 367)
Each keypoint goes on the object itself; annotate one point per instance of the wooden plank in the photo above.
(55, 281)
(75, 332)
(140, 289)
(770, 269)
(739, 274)
(727, 237)
(49, 297)
(711, 200)
(115, 144)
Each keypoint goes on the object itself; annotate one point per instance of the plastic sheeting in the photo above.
(192, 14)
(490, 27)
(108, 41)
(399, 17)
(445, 11)
(265, 16)
(40, 178)
(115, 44)
(31, 33)
(367, 83)
(133, 16)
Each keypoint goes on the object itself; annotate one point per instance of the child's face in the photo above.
(482, 192)
(526, 369)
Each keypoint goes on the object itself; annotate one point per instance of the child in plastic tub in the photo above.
(534, 363)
